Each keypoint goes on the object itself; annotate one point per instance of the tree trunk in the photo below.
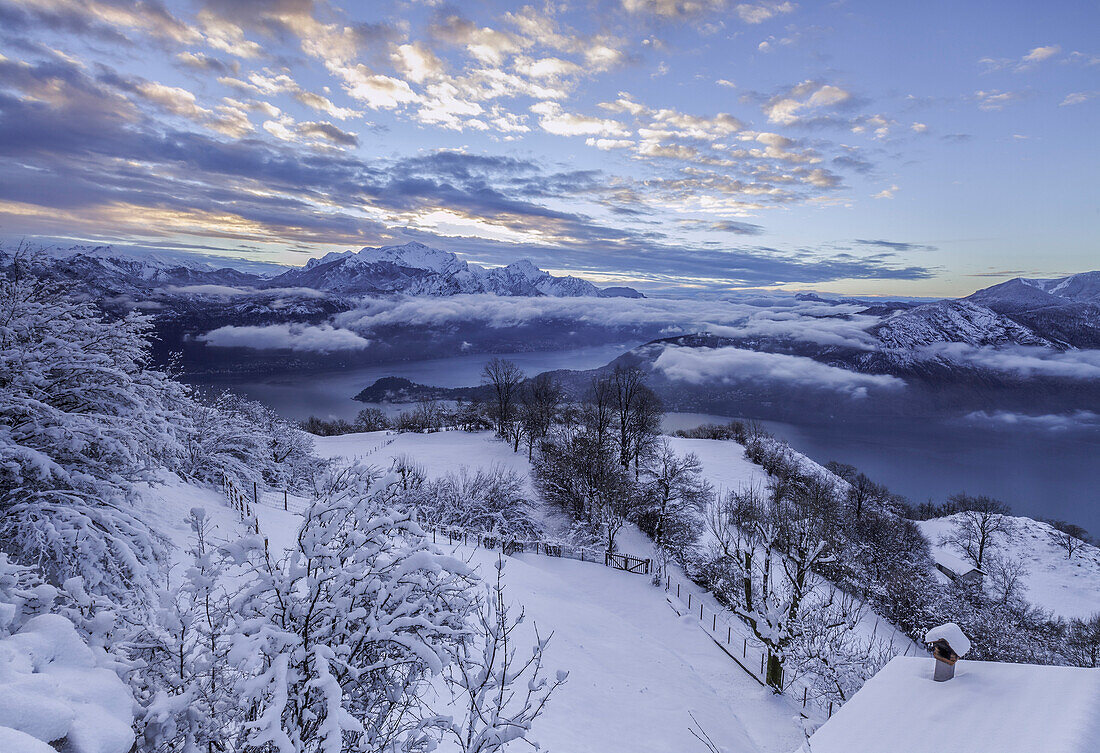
(774, 676)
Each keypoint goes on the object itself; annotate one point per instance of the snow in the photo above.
(52, 689)
(1069, 587)
(438, 453)
(724, 463)
(951, 633)
(635, 668)
(987, 708)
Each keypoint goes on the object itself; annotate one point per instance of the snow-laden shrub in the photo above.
(54, 688)
(248, 441)
(336, 641)
(492, 500)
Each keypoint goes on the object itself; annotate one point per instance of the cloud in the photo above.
(1026, 62)
(788, 320)
(1058, 422)
(732, 365)
(886, 193)
(1039, 54)
(1024, 362)
(899, 246)
(329, 132)
(1077, 98)
(995, 99)
(737, 228)
(789, 107)
(556, 121)
(298, 337)
(750, 13)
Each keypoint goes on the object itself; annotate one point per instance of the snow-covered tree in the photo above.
(336, 640)
(82, 417)
(188, 681)
(675, 494)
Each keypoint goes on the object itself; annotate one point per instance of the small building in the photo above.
(987, 707)
(956, 568)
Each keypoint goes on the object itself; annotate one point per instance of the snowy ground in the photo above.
(724, 463)
(1068, 587)
(635, 669)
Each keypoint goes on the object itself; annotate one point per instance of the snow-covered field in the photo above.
(635, 668)
(1067, 587)
(724, 463)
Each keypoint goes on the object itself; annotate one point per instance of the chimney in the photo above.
(948, 643)
(945, 657)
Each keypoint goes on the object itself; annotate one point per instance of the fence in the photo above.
(752, 656)
(241, 502)
(617, 560)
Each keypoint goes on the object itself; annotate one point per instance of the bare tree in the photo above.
(1083, 641)
(675, 496)
(1006, 578)
(504, 379)
(540, 400)
(980, 527)
(1067, 541)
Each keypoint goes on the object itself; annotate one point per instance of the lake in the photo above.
(329, 395)
(1040, 473)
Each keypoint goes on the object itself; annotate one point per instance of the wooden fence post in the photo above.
(285, 505)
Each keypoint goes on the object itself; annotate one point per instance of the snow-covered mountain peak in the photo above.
(414, 255)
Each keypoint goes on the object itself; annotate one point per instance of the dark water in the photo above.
(1040, 473)
(329, 395)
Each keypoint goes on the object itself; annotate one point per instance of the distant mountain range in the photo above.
(410, 269)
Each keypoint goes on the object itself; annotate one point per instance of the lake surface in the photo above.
(329, 395)
(1040, 473)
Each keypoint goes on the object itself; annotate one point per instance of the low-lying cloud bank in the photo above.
(1077, 420)
(699, 366)
(308, 338)
(1021, 360)
(665, 317)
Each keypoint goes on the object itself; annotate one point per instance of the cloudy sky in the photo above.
(855, 146)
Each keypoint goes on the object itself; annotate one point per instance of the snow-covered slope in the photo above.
(1069, 587)
(636, 669)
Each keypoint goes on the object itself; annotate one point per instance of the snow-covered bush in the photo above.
(248, 441)
(336, 641)
(492, 500)
(500, 694)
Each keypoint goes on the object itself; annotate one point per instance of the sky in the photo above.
(680, 146)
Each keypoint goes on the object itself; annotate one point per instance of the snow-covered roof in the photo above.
(952, 562)
(988, 707)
